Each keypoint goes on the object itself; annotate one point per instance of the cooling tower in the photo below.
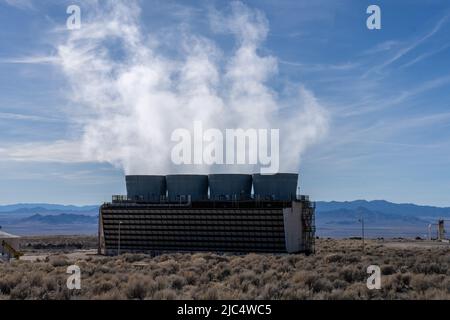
(280, 186)
(230, 186)
(238, 226)
(145, 188)
(180, 186)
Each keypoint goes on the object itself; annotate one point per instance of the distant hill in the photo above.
(48, 219)
(351, 216)
(382, 218)
(382, 206)
(333, 219)
(20, 207)
(25, 210)
(60, 219)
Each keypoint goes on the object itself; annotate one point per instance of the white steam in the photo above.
(136, 88)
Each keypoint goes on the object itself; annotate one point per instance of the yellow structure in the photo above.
(9, 246)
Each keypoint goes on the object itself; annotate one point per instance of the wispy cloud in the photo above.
(383, 101)
(26, 117)
(425, 56)
(61, 151)
(381, 47)
(321, 67)
(20, 4)
(407, 47)
(386, 132)
(31, 60)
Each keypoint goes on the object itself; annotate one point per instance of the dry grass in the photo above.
(336, 271)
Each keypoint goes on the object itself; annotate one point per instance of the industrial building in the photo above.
(216, 212)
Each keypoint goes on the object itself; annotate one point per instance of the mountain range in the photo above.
(381, 218)
(48, 219)
(333, 218)
(63, 218)
(405, 209)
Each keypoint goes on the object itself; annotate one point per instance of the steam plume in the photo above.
(135, 88)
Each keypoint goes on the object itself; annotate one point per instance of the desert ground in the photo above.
(411, 269)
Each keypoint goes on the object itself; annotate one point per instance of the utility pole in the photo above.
(362, 232)
(441, 230)
(118, 244)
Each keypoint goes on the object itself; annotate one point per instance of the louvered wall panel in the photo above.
(144, 229)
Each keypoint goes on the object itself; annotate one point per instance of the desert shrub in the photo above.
(58, 261)
(190, 277)
(9, 282)
(269, 291)
(211, 294)
(335, 294)
(270, 276)
(351, 274)
(436, 294)
(431, 268)
(446, 284)
(36, 279)
(136, 288)
(243, 281)
(333, 258)
(103, 268)
(310, 279)
(284, 267)
(130, 257)
(295, 294)
(336, 271)
(355, 291)
(169, 266)
(49, 284)
(20, 292)
(177, 282)
(152, 287)
(103, 287)
(224, 273)
(165, 294)
(162, 282)
(403, 269)
(338, 284)
(398, 283)
(421, 282)
(63, 293)
(113, 294)
(321, 284)
(352, 258)
(299, 276)
(293, 259)
(5, 287)
(387, 269)
(197, 260)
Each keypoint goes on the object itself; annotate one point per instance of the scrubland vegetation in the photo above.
(58, 243)
(336, 271)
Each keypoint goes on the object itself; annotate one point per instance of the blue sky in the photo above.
(386, 94)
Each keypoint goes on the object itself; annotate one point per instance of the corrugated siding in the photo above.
(189, 229)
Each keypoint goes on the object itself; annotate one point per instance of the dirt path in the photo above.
(416, 244)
